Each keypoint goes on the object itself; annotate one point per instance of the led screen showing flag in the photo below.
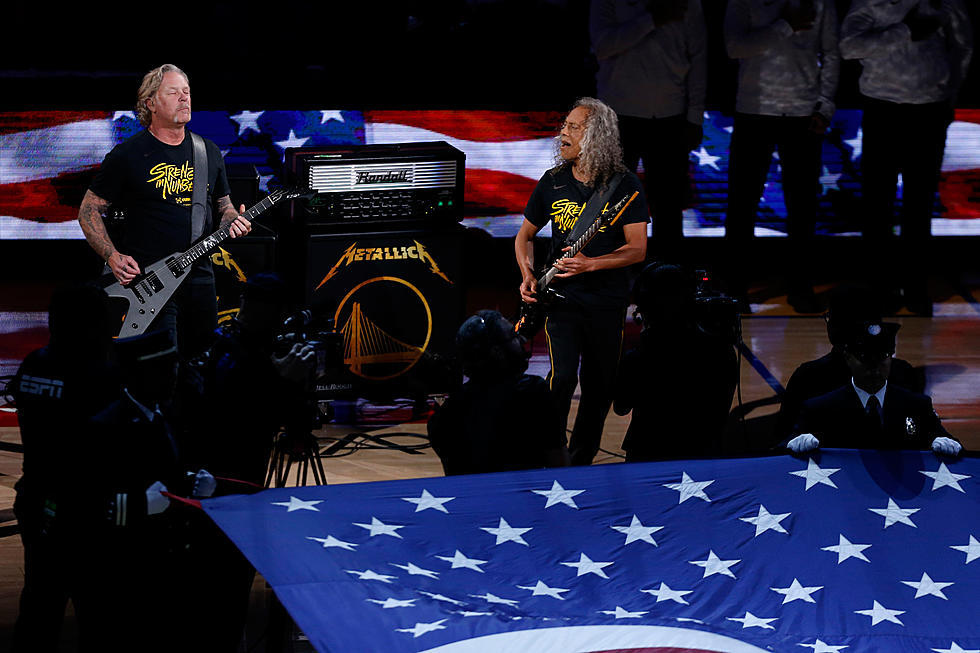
(860, 552)
(48, 159)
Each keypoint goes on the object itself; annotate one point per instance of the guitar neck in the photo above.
(205, 245)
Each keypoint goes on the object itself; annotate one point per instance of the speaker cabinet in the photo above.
(396, 298)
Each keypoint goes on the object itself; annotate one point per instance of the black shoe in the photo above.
(805, 302)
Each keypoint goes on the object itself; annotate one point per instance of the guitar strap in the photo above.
(199, 193)
(593, 207)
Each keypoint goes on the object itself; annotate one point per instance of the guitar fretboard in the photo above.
(204, 246)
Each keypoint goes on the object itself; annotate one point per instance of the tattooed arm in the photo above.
(237, 224)
(123, 267)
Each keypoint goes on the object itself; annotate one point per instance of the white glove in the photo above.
(204, 485)
(803, 442)
(156, 502)
(948, 446)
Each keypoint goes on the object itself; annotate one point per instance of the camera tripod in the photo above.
(289, 448)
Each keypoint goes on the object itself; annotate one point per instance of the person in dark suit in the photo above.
(851, 308)
(869, 412)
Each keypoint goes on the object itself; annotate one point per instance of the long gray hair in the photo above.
(149, 87)
(601, 152)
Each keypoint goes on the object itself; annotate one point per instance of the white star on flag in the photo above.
(815, 475)
(460, 561)
(796, 591)
(955, 648)
(378, 527)
(471, 613)
(506, 533)
(820, 646)
(752, 621)
(415, 570)
(705, 159)
(368, 574)
(558, 494)
(765, 521)
(326, 116)
(493, 598)
(331, 541)
(420, 628)
(971, 549)
(945, 478)
(441, 597)
(664, 593)
(927, 587)
(621, 613)
(856, 144)
(264, 181)
(586, 565)
(295, 504)
(426, 501)
(540, 589)
(247, 120)
(828, 181)
(636, 531)
(715, 565)
(123, 114)
(879, 613)
(844, 550)
(293, 141)
(689, 488)
(389, 603)
(895, 515)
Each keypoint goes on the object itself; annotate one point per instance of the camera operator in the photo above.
(251, 390)
(501, 419)
(680, 380)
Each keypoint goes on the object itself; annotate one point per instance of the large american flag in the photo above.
(854, 551)
(49, 157)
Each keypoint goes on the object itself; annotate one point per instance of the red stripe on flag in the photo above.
(491, 192)
(960, 194)
(55, 199)
(488, 126)
(22, 121)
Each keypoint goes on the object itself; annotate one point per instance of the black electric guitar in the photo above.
(149, 291)
(532, 316)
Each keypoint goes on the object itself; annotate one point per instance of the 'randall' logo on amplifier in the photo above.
(383, 177)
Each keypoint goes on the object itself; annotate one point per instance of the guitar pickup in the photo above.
(139, 296)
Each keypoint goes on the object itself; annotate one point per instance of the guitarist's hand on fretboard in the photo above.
(240, 225)
(569, 267)
(123, 267)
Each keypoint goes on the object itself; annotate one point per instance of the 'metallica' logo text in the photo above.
(385, 177)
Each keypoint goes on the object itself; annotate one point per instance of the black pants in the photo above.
(595, 337)
(753, 140)
(191, 315)
(660, 143)
(909, 139)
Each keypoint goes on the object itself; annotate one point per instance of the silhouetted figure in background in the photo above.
(653, 72)
(787, 79)
(851, 309)
(501, 419)
(869, 412)
(914, 56)
(56, 390)
(679, 381)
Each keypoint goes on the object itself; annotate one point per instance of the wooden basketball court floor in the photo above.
(776, 340)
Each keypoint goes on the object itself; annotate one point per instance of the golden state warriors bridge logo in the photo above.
(386, 325)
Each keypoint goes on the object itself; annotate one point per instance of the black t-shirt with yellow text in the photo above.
(153, 182)
(559, 198)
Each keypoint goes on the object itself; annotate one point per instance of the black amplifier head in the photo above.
(372, 184)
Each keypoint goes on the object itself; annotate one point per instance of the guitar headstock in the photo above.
(281, 194)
